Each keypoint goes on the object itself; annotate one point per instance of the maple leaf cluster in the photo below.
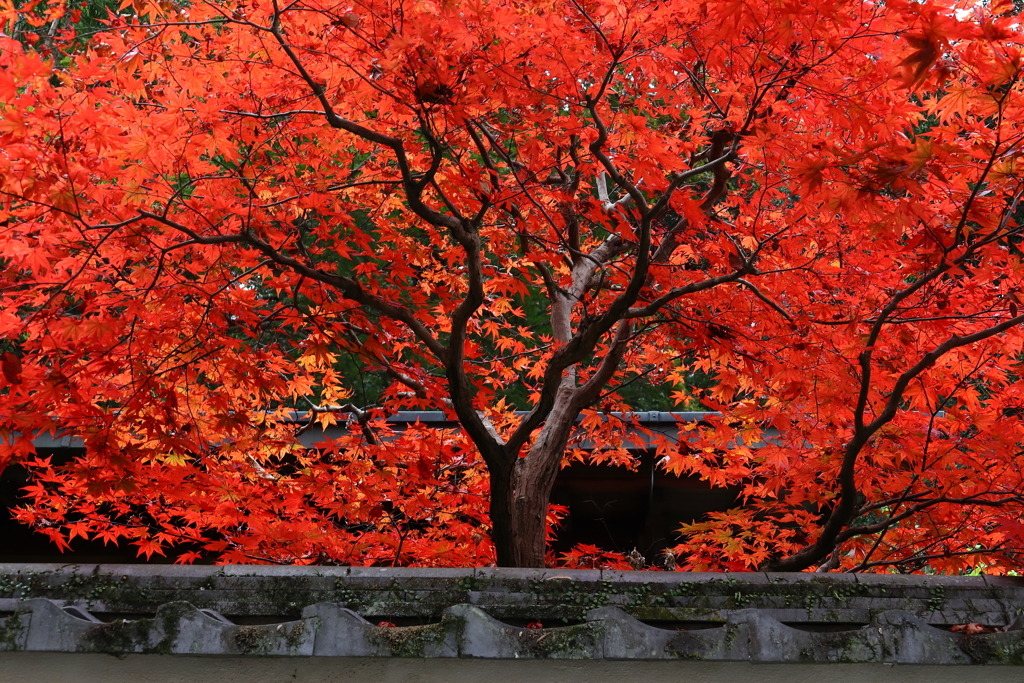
(497, 206)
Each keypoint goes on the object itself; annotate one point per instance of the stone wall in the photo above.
(487, 613)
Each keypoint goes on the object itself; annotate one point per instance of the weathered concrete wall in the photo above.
(482, 613)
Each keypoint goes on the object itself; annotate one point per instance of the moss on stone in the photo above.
(566, 599)
(569, 642)
(285, 595)
(731, 632)
(169, 618)
(119, 638)
(846, 646)
(11, 630)
(994, 648)
(293, 636)
(252, 640)
(413, 641)
(116, 591)
(260, 640)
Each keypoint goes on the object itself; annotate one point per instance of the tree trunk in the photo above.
(502, 526)
(519, 507)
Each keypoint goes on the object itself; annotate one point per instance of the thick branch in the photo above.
(413, 187)
(844, 512)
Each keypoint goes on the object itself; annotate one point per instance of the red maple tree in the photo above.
(205, 206)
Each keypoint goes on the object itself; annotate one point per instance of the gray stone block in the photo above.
(916, 586)
(340, 632)
(811, 616)
(504, 575)
(161, 572)
(483, 636)
(994, 648)
(15, 568)
(789, 578)
(1005, 582)
(983, 611)
(909, 640)
(53, 629)
(416, 574)
(628, 638)
(625, 576)
(772, 641)
(412, 579)
(271, 570)
(182, 628)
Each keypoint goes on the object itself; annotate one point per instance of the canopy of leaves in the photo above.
(219, 213)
